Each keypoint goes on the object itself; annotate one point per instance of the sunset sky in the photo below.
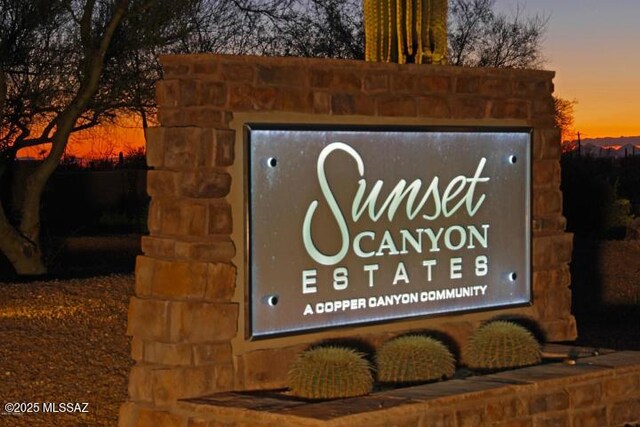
(593, 46)
(107, 141)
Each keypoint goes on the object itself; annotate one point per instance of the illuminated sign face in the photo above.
(356, 225)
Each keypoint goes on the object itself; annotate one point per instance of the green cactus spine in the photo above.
(501, 345)
(329, 373)
(414, 358)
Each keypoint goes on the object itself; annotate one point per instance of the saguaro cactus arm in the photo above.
(406, 31)
(438, 27)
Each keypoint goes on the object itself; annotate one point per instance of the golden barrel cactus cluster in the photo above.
(333, 372)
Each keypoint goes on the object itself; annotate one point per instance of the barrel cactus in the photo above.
(414, 358)
(330, 372)
(501, 345)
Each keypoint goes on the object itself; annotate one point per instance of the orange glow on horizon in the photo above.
(593, 120)
(100, 142)
(126, 135)
(108, 140)
(607, 94)
(607, 131)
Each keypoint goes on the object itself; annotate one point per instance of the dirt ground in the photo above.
(63, 341)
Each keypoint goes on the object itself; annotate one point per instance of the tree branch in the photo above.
(85, 27)
(66, 120)
(3, 92)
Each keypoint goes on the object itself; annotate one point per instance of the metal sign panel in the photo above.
(357, 225)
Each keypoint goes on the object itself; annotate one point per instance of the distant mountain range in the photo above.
(610, 147)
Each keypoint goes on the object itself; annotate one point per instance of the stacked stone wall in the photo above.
(596, 391)
(187, 318)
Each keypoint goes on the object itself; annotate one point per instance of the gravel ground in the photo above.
(619, 266)
(64, 340)
(606, 293)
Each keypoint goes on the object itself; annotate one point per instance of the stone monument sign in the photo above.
(299, 200)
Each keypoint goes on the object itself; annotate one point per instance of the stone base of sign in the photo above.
(599, 391)
(188, 319)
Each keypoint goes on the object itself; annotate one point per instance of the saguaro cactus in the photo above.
(402, 31)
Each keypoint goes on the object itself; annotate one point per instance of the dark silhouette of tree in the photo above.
(481, 37)
(24, 35)
(67, 65)
(322, 28)
(564, 117)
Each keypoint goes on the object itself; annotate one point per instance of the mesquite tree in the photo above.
(564, 119)
(480, 37)
(96, 24)
(321, 29)
(59, 62)
(68, 65)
